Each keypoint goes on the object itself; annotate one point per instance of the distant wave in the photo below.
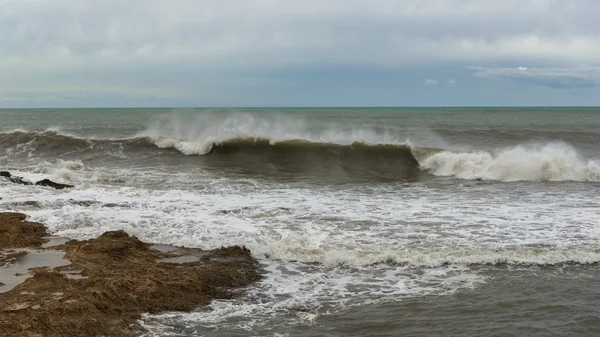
(53, 142)
(53, 137)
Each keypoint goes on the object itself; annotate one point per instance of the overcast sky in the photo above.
(299, 52)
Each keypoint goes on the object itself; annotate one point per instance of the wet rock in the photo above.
(110, 245)
(8, 257)
(112, 205)
(234, 211)
(50, 183)
(233, 252)
(17, 180)
(16, 232)
(28, 203)
(16, 306)
(44, 182)
(120, 280)
(84, 203)
(14, 179)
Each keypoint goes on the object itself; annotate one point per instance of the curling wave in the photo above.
(332, 157)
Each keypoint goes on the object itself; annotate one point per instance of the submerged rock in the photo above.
(15, 179)
(121, 278)
(50, 183)
(44, 182)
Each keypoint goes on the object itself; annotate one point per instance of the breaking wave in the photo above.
(281, 158)
(435, 257)
(547, 162)
(366, 154)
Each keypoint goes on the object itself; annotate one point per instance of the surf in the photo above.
(329, 153)
(533, 162)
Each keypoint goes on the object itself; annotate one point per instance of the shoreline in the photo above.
(102, 286)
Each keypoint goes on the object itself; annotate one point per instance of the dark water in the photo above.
(367, 222)
(544, 301)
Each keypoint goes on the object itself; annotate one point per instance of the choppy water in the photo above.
(379, 222)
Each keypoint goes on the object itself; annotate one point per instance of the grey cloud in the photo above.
(52, 43)
(574, 77)
(254, 33)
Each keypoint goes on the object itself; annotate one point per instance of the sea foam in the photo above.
(548, 162)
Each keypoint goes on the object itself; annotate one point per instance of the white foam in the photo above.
(61, 171)
(418, 227)
(22, 148)
(54, 131)
(293, 293)
(548, 162)
(17, 130)
(381, 243)
(185, 147)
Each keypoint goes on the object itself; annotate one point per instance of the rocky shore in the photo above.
(100, 287)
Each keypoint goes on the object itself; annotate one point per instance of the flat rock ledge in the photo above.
(110, 282)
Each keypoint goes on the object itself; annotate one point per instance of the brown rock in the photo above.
(16, 232)
(121, 279)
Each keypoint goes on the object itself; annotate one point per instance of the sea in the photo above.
(365, 221)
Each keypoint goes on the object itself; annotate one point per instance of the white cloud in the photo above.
(451, 83)
(431, 82)
(573, 77)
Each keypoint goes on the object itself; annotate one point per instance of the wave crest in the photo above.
(434, 257)
(548, 162)
(364, 154)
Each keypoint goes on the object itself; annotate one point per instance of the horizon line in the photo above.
(301, 107)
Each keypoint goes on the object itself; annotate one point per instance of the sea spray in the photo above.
(542, 162)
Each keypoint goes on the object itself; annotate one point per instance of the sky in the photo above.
(234, 53)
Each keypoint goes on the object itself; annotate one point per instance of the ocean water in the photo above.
(367, 222)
